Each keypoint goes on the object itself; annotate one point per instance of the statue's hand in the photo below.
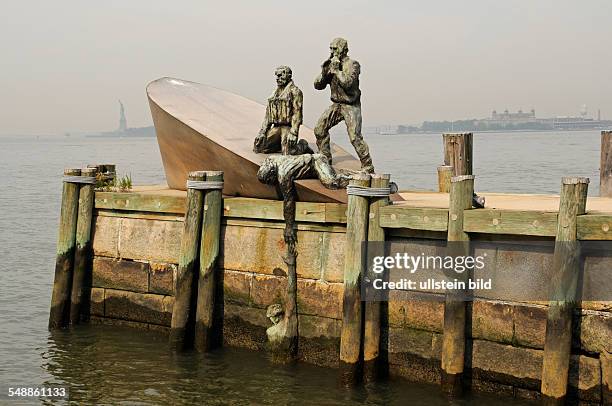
(292, 139)
(259, 140)
(334, 64)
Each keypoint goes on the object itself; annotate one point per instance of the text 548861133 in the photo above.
(37, 392)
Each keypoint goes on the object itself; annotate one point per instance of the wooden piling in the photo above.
(209, 253)
(180, 336)
(453, 342)
(83, 254)
(376, 234)
(458, 152)
(605, 165)
(64, 262)
(356, 234)
(445, 173)
(566, 268)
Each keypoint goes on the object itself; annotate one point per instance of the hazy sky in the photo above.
(65, 63)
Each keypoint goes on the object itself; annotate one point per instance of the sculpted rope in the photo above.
(371, 191)
(204, 185)
(79, 179)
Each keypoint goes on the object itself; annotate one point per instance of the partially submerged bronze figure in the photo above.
(282, 171)
(342, 75)
(284, 112)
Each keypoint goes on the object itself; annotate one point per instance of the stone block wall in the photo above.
(135, 267)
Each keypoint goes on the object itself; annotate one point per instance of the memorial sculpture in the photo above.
(279, 133)
(284, 112)
(342, 75)
(282, 171)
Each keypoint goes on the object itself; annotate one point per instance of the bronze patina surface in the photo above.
(341, 73)
(199, 126)
(284, 112)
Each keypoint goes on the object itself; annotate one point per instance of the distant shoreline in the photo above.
(489, 131)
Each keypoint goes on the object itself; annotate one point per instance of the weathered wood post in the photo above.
(356, 235)
(83, 255)
(376, 235)
(458, 152)
(445, 173)
(453, 342)
(209, 252)
(564, 284)
(187, 267)
(64, 262)
(605, 165)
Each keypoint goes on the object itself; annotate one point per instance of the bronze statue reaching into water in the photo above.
(282, 171)
(342, 75)
(281, 125)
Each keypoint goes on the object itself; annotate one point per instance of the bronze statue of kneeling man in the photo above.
(281, 125)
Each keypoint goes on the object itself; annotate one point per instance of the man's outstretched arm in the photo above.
(289, 197)
(327, 175)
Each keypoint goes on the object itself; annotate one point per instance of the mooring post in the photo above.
(458, 152)
(64, 262)
(180, 337)
(209, 252)
(376, 235)
(605, 165)
(453, 342)
(356, 234)
(445, 173)
(83, 255)
(564, 284)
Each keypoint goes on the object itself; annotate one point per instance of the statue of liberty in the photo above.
(122, 119)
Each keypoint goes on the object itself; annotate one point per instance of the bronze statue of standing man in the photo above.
(342, 75)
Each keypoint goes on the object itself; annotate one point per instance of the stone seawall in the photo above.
(135, 265)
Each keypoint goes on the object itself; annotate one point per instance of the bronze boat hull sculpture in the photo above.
(200, 127)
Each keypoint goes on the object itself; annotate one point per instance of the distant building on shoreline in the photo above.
(530, 121)
(504, 121)
(518, 117)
